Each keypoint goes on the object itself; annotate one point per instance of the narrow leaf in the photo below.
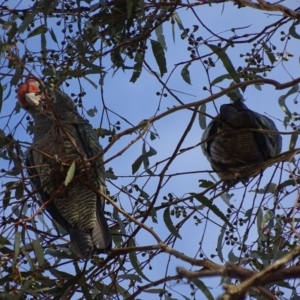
(178, 20)
(39, 253)
(16, 246)
(135, 262)
(159, 55)
(155, 291)
(136, 165)
(160, 36)
(169, 223)
(202, 199)
(1, 96)
(269, 53)
(282, 104)
(53, 36)
(293, 141)
(220, 79)
(226, 61)
(12, 32)
(185, 73)
(259, 220)
(196, 27)
(202, 118)
(257, 86)
(133, 277)
(19, 191)
(292, 30)
(129, 8)
(220, 241)
(39, 30)
(28, 19)
(137, 67)
(203, 288)
(70, 173)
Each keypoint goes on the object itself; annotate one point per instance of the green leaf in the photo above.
(220, 79)
(293, 141)
(202, 199)
(29, 260)
(205, 183)
(155, 291)
(235, 94)
(103, 132)
(259, 219)
(26, 23)
(136, 165)
(139, 58)
(16, 246)
(44, 45)
(144, 158)
(110, 175)
(203, 288)
(221, 53)
(39, 253)
(129, 8)
(18, 75)
(132, 277)
(292, 30)
(159, 55)
(290, 182)
(12, 32)
(169, 223)
(196, 27)
(202, 118)
(1, 96)
(282, 104)
(257, 86)
(70, 173)
(220, 241)
(269, 53)
(153, 135)
(120, 222)
(269, 188)
(185, 73)
(39, 30)
(184, 33)
(135, 262)
(19, 190)
(232, 257)
(4, 241)
(7, 194)
(53, 36)
(92, 111)
(176, 17)
(160, 36)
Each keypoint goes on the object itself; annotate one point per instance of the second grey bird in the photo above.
(233, 151)
(61, 137)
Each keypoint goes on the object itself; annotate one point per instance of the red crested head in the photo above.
(28, 93)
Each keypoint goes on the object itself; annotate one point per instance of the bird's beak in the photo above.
(33, 99)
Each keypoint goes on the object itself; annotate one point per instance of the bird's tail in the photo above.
(97, 240)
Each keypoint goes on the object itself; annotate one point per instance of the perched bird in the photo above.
(61, 137)
(234, 152)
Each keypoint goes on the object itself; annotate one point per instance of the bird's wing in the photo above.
(270, 142)
(34, 177)
(206, 140)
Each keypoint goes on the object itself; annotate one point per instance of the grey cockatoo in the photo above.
(232, 151)
(61, 137)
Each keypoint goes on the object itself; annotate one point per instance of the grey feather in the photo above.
(232, 152)
(60, 132)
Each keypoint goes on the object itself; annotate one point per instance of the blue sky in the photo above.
(138, 101)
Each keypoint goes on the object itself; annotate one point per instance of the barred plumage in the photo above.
(62, 136)
(232, 151)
